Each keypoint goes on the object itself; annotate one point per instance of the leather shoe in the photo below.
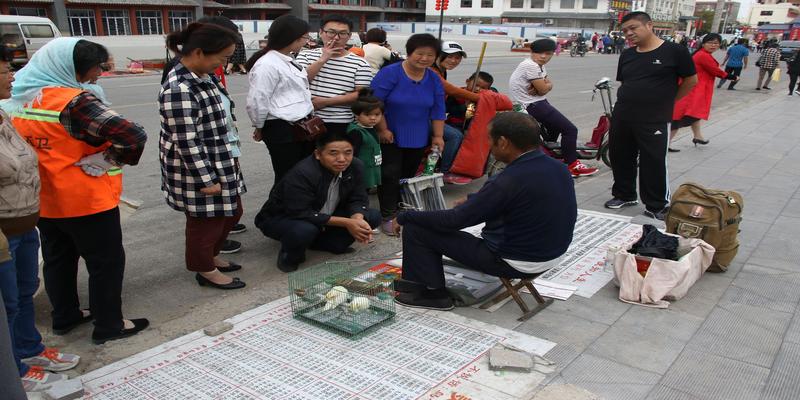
(102, 337)
(234, 284)
(232, 266)
(63, 330)
(285, 264)
(405, 286)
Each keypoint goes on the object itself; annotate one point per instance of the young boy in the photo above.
(368, 111)
(457, 107)
(528, 86)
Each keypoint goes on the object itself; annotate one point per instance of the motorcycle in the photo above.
(578, 48)
(597, 147)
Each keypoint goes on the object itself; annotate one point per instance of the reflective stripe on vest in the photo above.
(66, 191)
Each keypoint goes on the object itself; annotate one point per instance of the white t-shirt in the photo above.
(338, 76)
(520, 80)
(376, 55)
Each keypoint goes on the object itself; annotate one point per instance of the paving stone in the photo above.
(778, 248)
(609, 379)
(670, 322)
(793, 333)
(704, 295)
(603, 307)
(785, 227)
(792, 208)
(563, 328)
(768, 291)
(661, 392)
(708, 376)
(783, 383)
(752, 231)
(638, 346)
(742, 332)
(780, 180)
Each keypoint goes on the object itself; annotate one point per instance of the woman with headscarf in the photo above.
(199, 174)
(279, 94)
(82, 146)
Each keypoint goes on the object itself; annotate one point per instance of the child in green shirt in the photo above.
(368, 110)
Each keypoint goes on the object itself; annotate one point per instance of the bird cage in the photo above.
(423, 193)
(342, 298)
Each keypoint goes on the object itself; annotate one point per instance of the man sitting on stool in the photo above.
(529, 210)
(320, 204)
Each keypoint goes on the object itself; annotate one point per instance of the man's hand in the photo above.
(328, 51)
(257, 135)
(319, 102)
(438, 141)
(396, 227)
(386, 137)
(212, 190)
(359, 229)
(532, 90)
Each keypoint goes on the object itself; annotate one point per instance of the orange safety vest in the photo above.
(66, 190)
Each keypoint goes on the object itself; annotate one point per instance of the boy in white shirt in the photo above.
(528, 86)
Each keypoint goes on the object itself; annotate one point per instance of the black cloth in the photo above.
(303, 192)
(655, 244)
(793, 64)
(793, 82)
(423, 248)
(733, 72)
(650, 82)
(645, 144)
(529, 210)
(397, 163)
(684, 122)
(298, 235)
(284, 152)
(96, 238)
(239, 54)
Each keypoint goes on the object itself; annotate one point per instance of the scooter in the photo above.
(578, 49)
(597, 147)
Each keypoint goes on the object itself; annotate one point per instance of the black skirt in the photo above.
(684, 122)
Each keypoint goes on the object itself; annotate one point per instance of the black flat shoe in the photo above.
(286, 265)
(405, 286)
(671, 150)
(63, 330)
(699, 141)
(232, 266)
(102, 337)
(234, 284)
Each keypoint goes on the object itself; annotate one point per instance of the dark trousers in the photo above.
(557, 124)
(284, 152)
(205, 237)
(646, 142)
(423, 249)
(793, 82)
(298, 235)
(96, 238)
(735, 71)
(398, 163)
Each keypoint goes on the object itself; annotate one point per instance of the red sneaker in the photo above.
(456, 179)
(579, 169)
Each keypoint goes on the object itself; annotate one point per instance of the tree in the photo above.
(708, 20)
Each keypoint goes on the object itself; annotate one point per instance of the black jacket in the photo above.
(304, 190)
(793, 63)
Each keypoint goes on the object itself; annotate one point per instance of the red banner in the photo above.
(794, 34)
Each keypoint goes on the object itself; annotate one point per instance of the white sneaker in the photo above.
(36, 380)
(51, 360)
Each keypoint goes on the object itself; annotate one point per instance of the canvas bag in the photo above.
(708, 214)
(665, 280)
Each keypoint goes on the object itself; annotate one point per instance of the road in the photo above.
(157, 285)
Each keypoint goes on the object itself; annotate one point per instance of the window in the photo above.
(487, 3)
(81, 22)
(466, 3)
(590, 4)
(37, 31)
(517, 4)
(116, 22)
(28, 11)
(537, 3)
(149, 22)
(566, 4)
(767, 13)
(179, 20)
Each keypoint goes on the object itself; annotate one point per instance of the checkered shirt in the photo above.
(194, 148)
(770, 58)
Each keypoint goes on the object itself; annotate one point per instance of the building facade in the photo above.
(668, 16)
(158, 17)
(773, 12)
(729, 13)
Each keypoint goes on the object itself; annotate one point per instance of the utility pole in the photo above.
(717, 16)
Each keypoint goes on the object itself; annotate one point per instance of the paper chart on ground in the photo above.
(270, 355)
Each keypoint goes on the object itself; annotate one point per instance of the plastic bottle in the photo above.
(433, 158)
(611, 254)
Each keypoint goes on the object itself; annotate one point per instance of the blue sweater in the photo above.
(410, 105)
(529, 210)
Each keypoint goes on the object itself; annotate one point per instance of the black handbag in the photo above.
(308, 128)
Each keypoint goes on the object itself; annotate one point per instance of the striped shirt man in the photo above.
(339, 76)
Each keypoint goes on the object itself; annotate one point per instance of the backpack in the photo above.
(710, 215)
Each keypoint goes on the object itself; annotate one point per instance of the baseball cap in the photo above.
(452, 48)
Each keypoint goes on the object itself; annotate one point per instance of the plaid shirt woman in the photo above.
(194, 148)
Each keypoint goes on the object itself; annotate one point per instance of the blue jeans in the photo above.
(452, 142)
(19, 279)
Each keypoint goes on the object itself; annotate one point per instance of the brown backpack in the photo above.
(708, 214)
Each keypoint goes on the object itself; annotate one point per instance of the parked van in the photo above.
(23, 36)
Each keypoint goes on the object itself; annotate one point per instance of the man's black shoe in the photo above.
(230, 246)
(65, 329)
(427, 299)
(616, 203)
(285, 264)
(659, 215)
(102, 337)
(238, 228)
(405, 286)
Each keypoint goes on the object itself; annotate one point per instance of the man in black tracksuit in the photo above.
(650, 72)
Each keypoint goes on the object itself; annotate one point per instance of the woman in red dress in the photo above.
(697, 104)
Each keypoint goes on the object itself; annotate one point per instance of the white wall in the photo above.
(500, 6)
(780, 13)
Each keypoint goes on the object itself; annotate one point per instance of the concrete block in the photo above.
(783, 383)
(218, 328)
(701, 375)
(505, 359)
(65, 390)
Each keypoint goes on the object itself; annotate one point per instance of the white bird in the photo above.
(359, 304)
(337, 295)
